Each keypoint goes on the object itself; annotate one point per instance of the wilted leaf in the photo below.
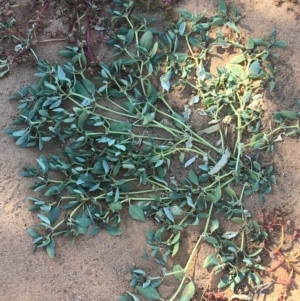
(221, 163)
(189, 162)
(230, 234)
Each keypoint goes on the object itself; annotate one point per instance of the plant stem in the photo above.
(191, 257)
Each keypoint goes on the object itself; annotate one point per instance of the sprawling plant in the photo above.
(121, 137)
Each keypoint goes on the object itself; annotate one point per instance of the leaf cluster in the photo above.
(121, 138)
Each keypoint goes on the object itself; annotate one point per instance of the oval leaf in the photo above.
(188, 292)
(50, 248)
(148, 293)
(146, 40)
(136, 213)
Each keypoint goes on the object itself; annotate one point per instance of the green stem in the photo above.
(185, 270)
(56, 226)
(114, 112)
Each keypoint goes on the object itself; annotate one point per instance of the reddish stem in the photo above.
(88, 42)
(45, 6)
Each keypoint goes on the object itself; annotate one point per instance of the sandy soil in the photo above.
(98, 268)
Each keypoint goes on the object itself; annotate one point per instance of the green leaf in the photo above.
(250, 43)
(52, 190)
(233, 26)
(237, 59)
(230, 192)
(179, 120)
(175, 249)
(115, 206)
(136, 212)
(217, 21)
(230, 234)
(210, 260)
(186, 14)
(280, 44)
(238, 220)
(182, 28)
(54, 214)
(254, 254)
(224, 282)
(105, 166)
(124, 298)
(169, 214)
(122, 127)
(179, 271)
(148, 118)
(211, 198)
(129, 36)
(214, 225)
(82, 119)
(176, 210)
(83, 222)
(113, 231)
(50, 248)
(135, 298)
(90, 87)
(188, 292)
(33, 234)
(41, 164)
(247, 96)
(256, 138)
(256, 165)
(190, 201)
(81, 90)
(272, 179)
(44, 218)
(148, 293)
(212, 240)
(239, 277)
(158, 179)
(24, 138)
(61, 74)
(222, 7)
(254, 69)
(193, 177)
(128, 166)
(154, 50)
(218, 193)
(286, 115)
(50, 86)
(272, 85)
(146, 40)
(66, 53)
(94, 231)
(176, 238)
